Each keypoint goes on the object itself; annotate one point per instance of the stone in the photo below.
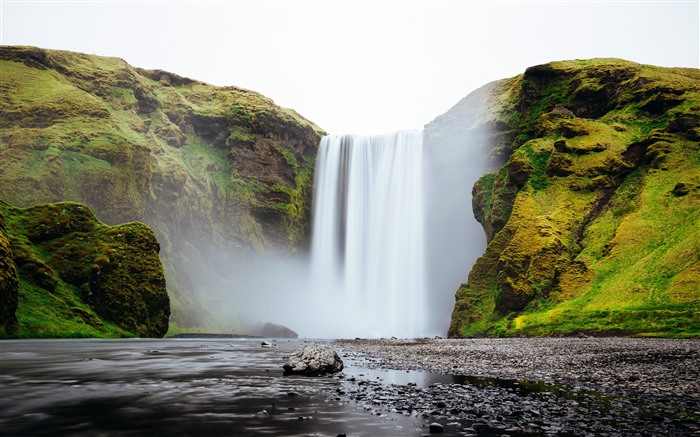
(313, 360)
(560, 110)
(277, 331)
(436, 428)
(680, 189)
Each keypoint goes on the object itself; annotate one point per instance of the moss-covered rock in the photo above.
(592, 219)
(74, 276)
(219, 173)
(9, 283)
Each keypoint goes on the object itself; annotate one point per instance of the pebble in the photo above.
(565, 386)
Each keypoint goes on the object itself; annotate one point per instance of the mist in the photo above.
(455, 239)
(237, 290)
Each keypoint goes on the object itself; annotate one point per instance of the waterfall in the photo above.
(368, 249)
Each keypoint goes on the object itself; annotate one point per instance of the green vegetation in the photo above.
(210, 169)
(599, 205)
(80, 278)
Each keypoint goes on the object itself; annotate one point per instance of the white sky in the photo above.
(359, 66)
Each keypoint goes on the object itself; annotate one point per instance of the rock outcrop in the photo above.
(592, 211)
(273, 330)
(75, 276)
(313, 360)
(221, 174)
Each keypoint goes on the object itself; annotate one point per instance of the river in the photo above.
(173, 387)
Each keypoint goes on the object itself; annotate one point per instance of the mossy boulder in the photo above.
(221, 174)
(75, 276)
(592, 219)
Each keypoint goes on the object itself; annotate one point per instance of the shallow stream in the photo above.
(172, 387)
(236, 387)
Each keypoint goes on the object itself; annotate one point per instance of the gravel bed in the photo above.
(535, 386)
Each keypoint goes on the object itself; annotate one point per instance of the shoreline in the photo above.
(577, 386)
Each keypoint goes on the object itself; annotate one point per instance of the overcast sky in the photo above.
(359, 66)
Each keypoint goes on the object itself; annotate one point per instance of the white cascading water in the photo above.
(368, 244)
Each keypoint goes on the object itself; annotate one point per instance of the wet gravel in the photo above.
(529, 386)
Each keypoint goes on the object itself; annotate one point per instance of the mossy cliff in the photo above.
(592, 215)
(219, 173)
(66, 274)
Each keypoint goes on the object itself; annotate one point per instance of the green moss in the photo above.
(59, 315)
(81, 278)
(242, 113)
(539, 161)
(200, 164)
(596, 239)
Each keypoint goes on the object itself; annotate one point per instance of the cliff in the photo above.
(66, 274)
(592, 211)
(221, 174)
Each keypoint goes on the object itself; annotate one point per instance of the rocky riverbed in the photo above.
(529, 386)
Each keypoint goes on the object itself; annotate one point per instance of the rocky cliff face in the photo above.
(591, 215)
(219, 173)
(66, 274)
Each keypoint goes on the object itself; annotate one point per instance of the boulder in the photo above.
(436, 428)
(313, 359)
(277, 331)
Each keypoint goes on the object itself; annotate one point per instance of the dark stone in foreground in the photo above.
(314, 360)
(436, 428)
(534, 386)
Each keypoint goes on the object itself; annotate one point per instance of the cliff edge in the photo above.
(592, 213)
(221, 174)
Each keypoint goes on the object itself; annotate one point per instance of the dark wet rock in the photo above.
(436, 428)
(211, 335)
(681, 189)
(554, 386)
(313, 359)
(265, 344)
(277, 331)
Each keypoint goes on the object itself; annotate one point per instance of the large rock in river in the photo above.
(313, 359)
